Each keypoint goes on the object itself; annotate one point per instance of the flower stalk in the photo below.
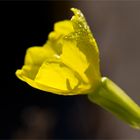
(112, 98)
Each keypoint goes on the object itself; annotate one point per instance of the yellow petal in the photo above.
(34, 58)
(74, 58)
(61, 28)
(28, 71)
(37, 55)
(85, 40)
(57, 76)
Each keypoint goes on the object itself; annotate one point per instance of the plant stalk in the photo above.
(109, 96)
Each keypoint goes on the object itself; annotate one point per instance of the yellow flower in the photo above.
(68, 63)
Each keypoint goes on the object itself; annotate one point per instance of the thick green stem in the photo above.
(109, 96)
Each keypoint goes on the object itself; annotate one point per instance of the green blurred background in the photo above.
(27, 113)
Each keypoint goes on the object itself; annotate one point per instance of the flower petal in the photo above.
(61, 29)
(74, 58)
(85, 40)
(36, 55)
(58, 76)
(34, 58)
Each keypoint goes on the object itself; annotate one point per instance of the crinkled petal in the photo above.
(55, 38)
(34, 58)
(37, 55)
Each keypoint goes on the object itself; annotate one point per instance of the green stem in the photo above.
(109, 96)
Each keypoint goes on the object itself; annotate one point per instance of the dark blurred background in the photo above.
(29, 113)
